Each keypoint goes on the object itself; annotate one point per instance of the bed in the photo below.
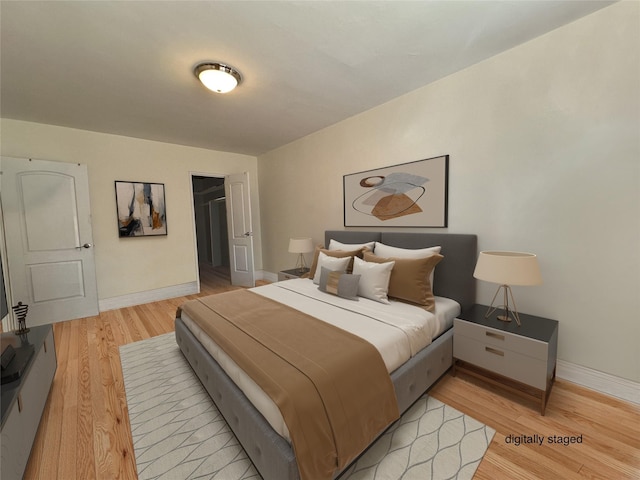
(265, 443)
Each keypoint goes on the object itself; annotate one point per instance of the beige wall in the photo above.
(545, 157)
(130, 265)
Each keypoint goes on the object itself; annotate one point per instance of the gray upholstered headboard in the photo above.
(453, 277)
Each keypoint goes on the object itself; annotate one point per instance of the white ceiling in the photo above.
(125, 67)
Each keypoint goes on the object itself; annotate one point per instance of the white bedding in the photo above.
(398, 331)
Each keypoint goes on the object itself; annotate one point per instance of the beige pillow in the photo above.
(387, 251)
(336, 254)
(410, 278)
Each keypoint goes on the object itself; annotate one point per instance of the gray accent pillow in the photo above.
(342, 284)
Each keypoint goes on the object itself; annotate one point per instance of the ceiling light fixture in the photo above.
(217, 77)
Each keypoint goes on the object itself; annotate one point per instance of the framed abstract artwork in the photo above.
(141, 209)
(411, 194)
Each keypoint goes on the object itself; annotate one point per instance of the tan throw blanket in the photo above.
(331, 386)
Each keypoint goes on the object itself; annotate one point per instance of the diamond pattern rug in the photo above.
(178, 432)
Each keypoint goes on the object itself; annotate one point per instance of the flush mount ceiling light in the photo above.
(217, 77)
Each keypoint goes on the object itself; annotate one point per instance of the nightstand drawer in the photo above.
(502, 340)
(286, 276)
(502, 361)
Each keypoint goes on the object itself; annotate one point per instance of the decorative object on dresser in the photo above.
(506, 269)
(521, 359)
(20, 310)
(16, 358)
(301, 245)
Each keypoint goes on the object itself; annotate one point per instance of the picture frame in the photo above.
(413, 194)
(141, 209)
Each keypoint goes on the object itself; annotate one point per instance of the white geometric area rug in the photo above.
(178, 432)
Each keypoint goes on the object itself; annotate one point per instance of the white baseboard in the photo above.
(601, 382)
(268, 276)
(147, 297)
(158, 294)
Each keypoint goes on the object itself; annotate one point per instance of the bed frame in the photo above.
(271, 454)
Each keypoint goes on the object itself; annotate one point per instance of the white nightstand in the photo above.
(521, 359)
(293, 273)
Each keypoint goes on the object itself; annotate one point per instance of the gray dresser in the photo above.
(521, 359)
(24, 399)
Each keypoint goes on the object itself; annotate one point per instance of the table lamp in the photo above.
(300, 245)
(506, 269)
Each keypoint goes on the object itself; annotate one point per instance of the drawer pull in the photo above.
(19, 402)
(494, 335)
(494, 351)
(45, 346)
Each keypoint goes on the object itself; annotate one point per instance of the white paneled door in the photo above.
(240, 233)
(47, 223)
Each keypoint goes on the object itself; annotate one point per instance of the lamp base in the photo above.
(301, 265)
(508, 312)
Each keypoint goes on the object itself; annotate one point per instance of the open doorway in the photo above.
(212, 240)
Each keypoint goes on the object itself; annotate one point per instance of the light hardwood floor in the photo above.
(84, 433)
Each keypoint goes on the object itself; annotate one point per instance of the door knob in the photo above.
(87, 245)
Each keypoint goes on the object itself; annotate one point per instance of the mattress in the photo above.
(398, 331)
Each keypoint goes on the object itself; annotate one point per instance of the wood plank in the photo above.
(102, 446)
(121, 451)
(69, 434)
(85, 458)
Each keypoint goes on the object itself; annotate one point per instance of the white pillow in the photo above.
(335, 245)
(333, 264)
(383, 250)
(374, 279)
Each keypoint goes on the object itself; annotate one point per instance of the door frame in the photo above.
(193, 215)
(8, 322)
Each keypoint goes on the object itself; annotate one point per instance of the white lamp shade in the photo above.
(218, 81)
(508, 268)
(300, 245)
